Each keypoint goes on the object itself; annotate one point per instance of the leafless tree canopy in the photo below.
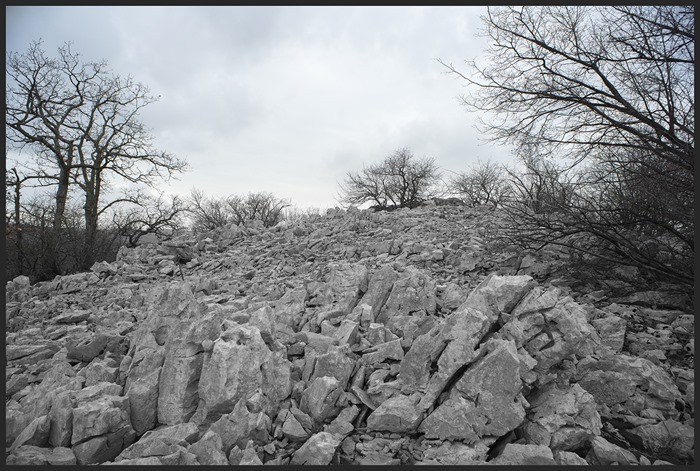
(588, 79)
(485, 183)
(81, 123)
(609, 91)
(208, 213)
(160, 216)
(78, 124)
(399, 181)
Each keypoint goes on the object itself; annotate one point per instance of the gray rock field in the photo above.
(354, 337)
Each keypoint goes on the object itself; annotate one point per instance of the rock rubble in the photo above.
(351, 338)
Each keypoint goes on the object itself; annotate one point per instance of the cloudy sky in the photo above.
(283, 99)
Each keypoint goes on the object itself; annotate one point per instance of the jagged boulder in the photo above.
(398, 414)
(524, 454)
(481, 403)
(31, 455)
(414, 291)
(379, 286)
(625, 383)
(242, 425)
(240, 363)
(317, 450)
(562, 419)
(141, 387)
(456, 345)
(319, 399)
(209, 450)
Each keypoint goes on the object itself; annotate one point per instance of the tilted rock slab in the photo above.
(485, 401)
(240, 363)
(397, 414)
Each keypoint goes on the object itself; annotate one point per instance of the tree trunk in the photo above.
(61, 199)
(91, 201)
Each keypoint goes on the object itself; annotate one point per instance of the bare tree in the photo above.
(261, 206)
(610, 90)
(43, 103)
(81, 122)
(583, 80)
(484, 183)
(160, 216)
(399, 181)
(207, 213)
(14, 220)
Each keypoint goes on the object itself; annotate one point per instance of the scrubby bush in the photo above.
(208, 213)
(399, 181)
(484, 183)
(34, 248)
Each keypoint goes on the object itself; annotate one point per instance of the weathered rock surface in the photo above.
(397, 414)
(317, 450)
(388, 338)
(562, 419)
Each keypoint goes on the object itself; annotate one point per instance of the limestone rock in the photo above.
(347, 333)
(103, 448)
(250, 456)
(290, 307)
(611, 330)
(562, 419)
(16, 383)
(33, 455)
(456, 453)
(499, 294)
(675, 438)
(240, 426)
(342, 425)
(317, 450)
(378, 288)
(15, 422)
(528, 455)
(36, 433)
(16, 352)
(100, 370)
(604, 453)
(156, 446)
(481, 403)
(346, 284)
(239, 364)
(397, 414)
(319, 399)
(88, 348)
(72, 317)
(141, 387)
(460, 335)
(413, 291)
(414, 371)
(61, 416)
(180, 432)
(104, 415)
(385, 351)
(452, 297)
(635, 383)
(335, 363)
(209, 450)
(178, 381)
(293, 430)
(568, 458)
(454, 419)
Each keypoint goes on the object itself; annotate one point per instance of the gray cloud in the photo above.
(282, 99)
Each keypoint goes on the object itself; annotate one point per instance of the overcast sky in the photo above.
(283, 99)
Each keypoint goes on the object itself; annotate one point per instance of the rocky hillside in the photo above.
(350, 338)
